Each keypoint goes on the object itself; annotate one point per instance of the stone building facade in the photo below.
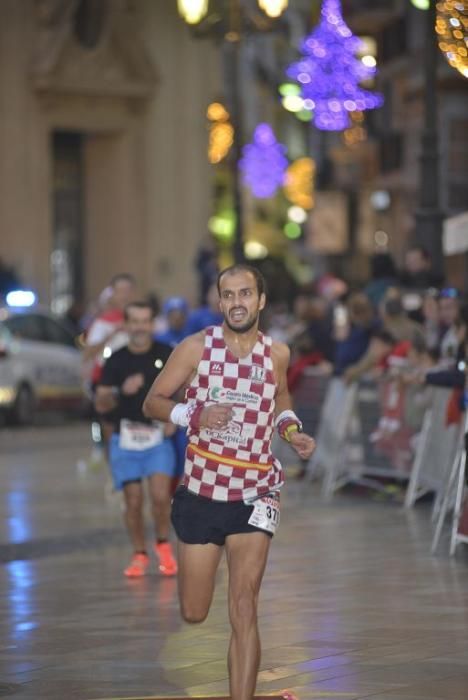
(103, 145)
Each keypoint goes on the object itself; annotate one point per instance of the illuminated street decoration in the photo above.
(223, 225)
(357, 133)
(221, 132)
(263, 163)
(452, 33)
(299, 183)
(273, 8)
(329, 72)
(192, 11)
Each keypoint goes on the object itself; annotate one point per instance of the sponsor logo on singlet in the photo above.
(219, 393)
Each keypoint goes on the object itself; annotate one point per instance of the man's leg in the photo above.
(159, 488)
(133, 516)
(246, 556)
(197, 570)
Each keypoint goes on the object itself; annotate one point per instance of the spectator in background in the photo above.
(207, 315)
(449, 314)
(383, 275)
(418, 270)
(431, 319)
(176, 310)
(303, 354)
(397, 331)
(107, 329)
(396, 321)
(320, 327)
(354, 339)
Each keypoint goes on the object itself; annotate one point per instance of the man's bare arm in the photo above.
(90, 352)
(176, 373)
(104, 400)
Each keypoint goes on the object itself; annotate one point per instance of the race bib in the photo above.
(266, 513)
(139, 436)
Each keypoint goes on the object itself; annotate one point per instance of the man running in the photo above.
(139, 448)
(236, 394)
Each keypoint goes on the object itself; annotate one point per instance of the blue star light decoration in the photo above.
(329, 72)
(263, 164)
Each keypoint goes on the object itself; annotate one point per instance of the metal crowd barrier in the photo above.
(453, 494)
(370, 432)
(437, 444)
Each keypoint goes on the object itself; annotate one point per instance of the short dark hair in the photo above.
(122, 277)
(139, 305)
(243, 267)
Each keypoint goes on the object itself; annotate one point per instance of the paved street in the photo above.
(353, 605)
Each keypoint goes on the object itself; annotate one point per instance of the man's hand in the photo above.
(216, 416)
(303, 444)
(132, 384)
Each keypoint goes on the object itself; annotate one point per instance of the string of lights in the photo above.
(452, 33)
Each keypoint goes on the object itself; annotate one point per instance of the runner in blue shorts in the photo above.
(140, 449)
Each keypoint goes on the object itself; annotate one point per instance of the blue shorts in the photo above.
(134, 465)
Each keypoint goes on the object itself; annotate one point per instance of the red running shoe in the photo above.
(137, 566)
(167, 562)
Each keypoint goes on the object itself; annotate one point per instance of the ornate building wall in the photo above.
(126, 78)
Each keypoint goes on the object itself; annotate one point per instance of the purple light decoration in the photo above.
(263, 163)
(329, 72)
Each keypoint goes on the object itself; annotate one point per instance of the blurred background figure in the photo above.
(383, 274)
(418, 272)
(105, 335)
(208, 314)
(431, 319)
(353, 333)
(320, 326)
(449, 315)
(107, 328)
(175, 310)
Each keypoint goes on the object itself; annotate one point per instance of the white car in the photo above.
(40, 365)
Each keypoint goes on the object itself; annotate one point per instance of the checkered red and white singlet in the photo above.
(235, 463)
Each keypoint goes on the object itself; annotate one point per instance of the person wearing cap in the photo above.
(176, 310)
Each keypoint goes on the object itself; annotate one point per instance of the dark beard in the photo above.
(242, 329)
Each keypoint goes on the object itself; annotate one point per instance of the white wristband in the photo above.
(180, 415)
(288, 414)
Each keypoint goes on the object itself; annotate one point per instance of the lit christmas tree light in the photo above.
(329, 72)
(452, 30)
(263, 163)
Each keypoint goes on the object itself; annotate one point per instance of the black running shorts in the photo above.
(200, 520)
